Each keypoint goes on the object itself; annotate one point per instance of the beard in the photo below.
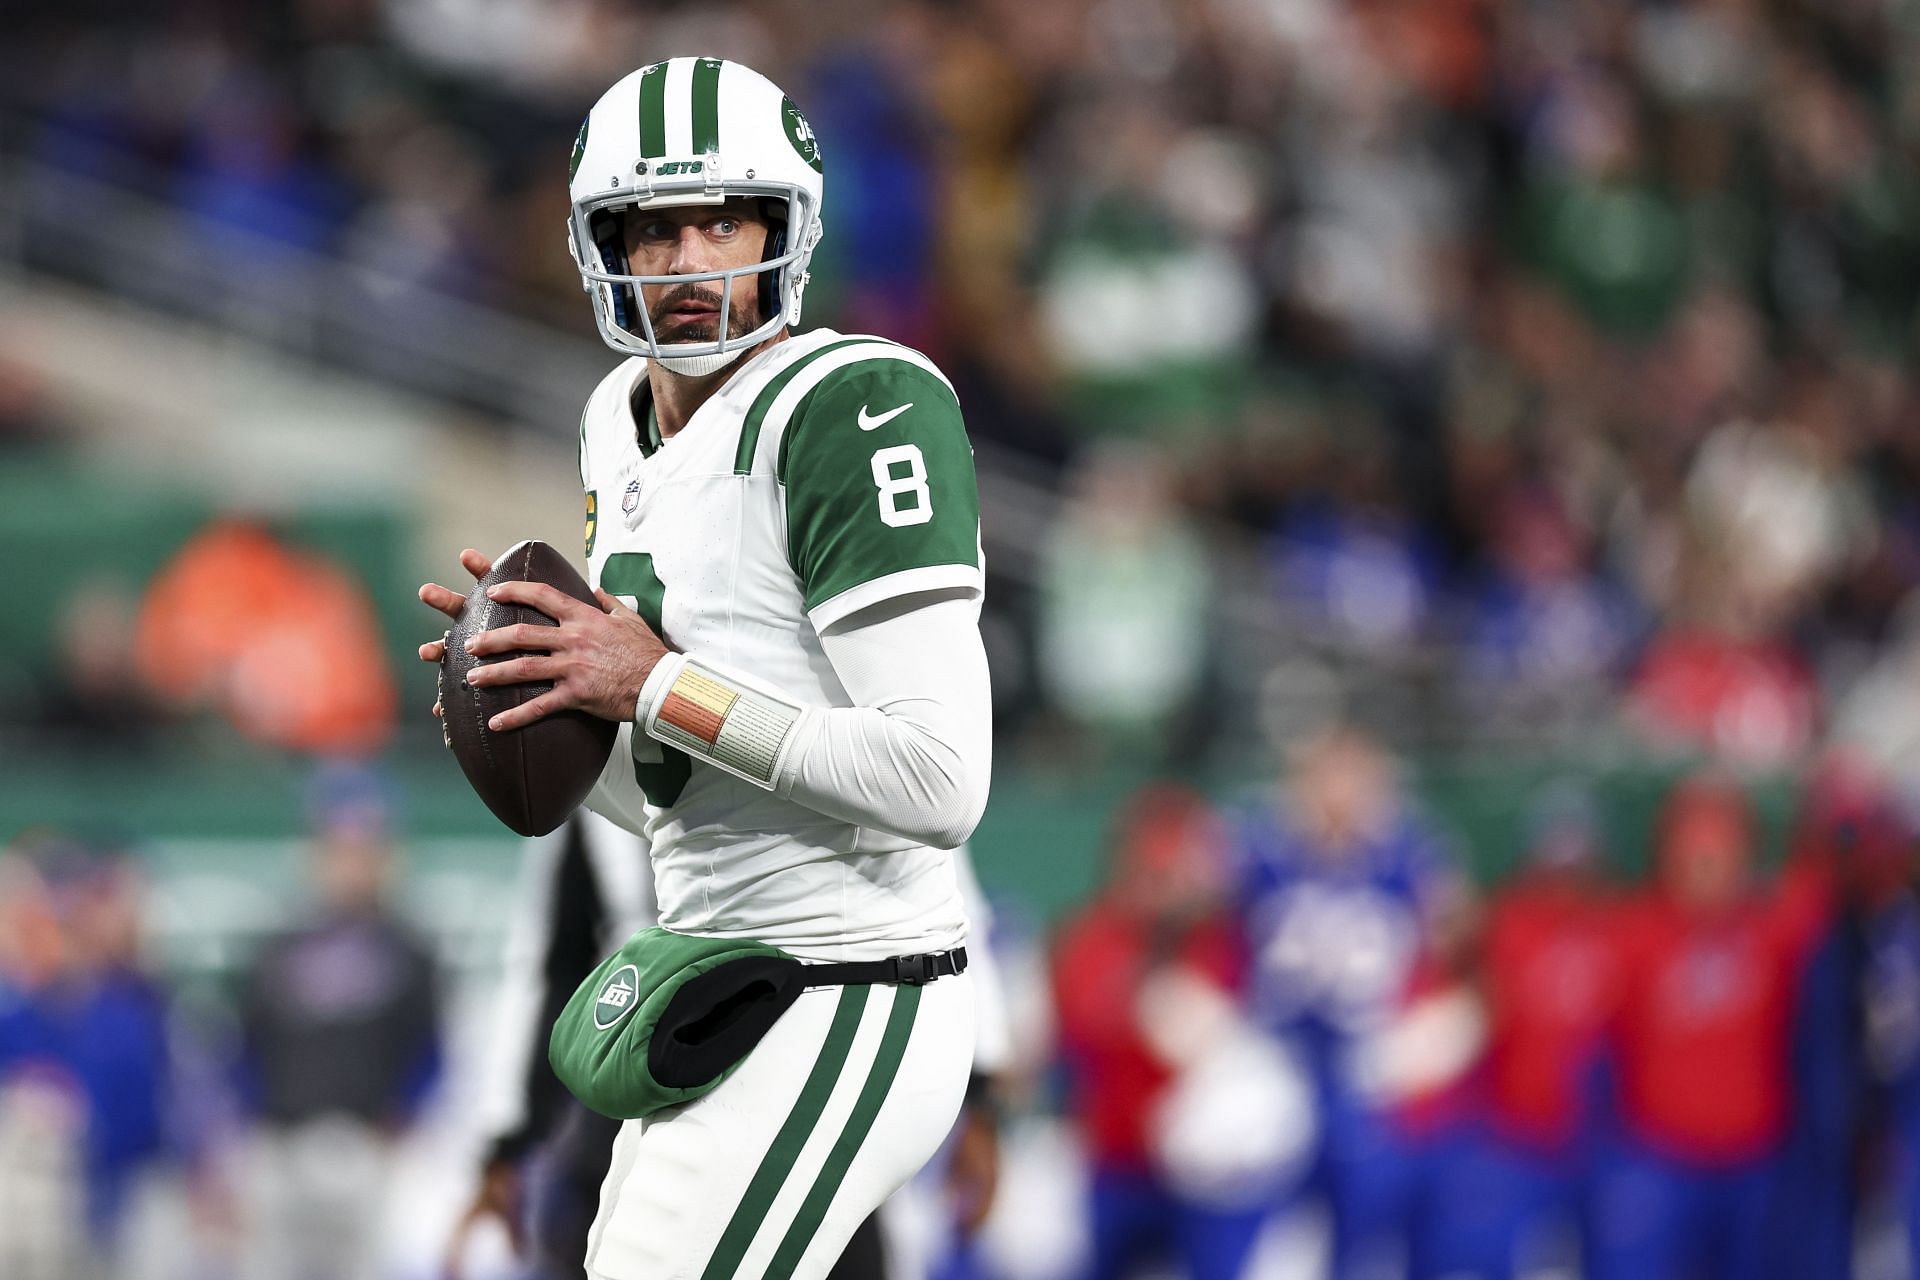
(742, 317)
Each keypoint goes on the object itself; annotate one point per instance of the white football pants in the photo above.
(845, 1098)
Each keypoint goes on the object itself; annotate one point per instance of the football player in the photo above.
(1708, 962)
(784, 538)
(582, 890)
(1342, 888)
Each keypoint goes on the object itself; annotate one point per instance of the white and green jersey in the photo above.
(829, 474)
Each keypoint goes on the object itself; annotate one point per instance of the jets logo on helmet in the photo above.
(692, 131)
(800, 133)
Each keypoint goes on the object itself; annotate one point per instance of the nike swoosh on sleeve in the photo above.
(868, 423)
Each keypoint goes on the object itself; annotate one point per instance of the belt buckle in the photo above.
(914, 971)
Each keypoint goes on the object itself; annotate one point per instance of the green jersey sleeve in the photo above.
(880, 491)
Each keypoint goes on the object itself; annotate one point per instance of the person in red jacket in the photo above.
(1510, 1200)
(1158, 915)
(1708, 967)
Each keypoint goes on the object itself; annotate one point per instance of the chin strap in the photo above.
(695, 366)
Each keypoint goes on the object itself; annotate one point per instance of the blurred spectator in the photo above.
(251, 178)
(1601, 226)
(1340, 890)
(1380, 206)
(1711, 683)
(1708, 967)
(341, 1030)
(1780, 504)
(1158, 919)
(1880, 717)
(97, 700)
(1350, 560)
(85, 1061)
(1817, 1196)
(885, 192)
(1886, 906)
(229, 623)
(43, 1208)
(1125, 605)
(1140, 298)
(1542, 623)
(1514, 1200)
(1857, 1026)
(1418, 1069)
(421, 229)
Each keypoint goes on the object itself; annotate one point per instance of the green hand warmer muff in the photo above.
(667, 1017)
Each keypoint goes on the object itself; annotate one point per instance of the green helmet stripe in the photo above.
(579, 150)
(653, 110)
(706, 105)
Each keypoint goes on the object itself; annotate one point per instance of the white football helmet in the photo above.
(693, 131)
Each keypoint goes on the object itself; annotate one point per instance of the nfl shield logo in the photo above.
(631, 498)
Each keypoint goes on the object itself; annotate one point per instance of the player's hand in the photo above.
(497, 1198)
(449, 603)
(597, 658)
(974, 1171)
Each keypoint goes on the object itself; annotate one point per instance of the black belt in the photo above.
(915, 971)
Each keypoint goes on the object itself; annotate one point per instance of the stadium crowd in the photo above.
(1552, 360)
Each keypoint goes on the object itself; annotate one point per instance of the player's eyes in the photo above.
(725, 226)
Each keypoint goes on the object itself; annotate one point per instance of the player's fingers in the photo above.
(555, 699)
(533, 667)
(613, 604)
(475, 563)
(521, 635)
(549, 600)
(438, 597)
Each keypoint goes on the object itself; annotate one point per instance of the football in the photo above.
(532, 777)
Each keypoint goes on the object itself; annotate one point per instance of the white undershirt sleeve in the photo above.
(912, 756)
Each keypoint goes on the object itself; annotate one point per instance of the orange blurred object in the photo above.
(283, 643)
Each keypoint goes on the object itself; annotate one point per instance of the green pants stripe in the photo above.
(778, 1163)
(886, 1065)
